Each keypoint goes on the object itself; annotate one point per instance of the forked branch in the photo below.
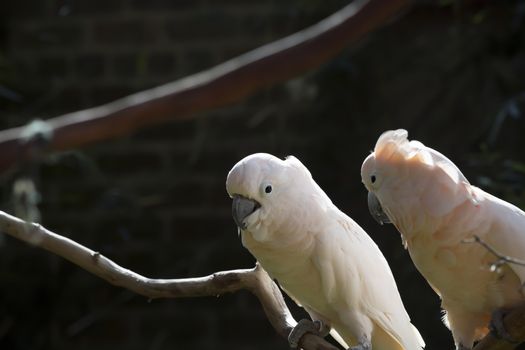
(502, 259)
(514, 320)
(255, 280)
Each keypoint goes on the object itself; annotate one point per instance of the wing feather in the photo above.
(355, 274)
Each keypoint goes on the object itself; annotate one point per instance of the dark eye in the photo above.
(373, 178)
(268, 189)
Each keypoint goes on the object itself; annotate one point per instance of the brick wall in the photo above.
(89, 52)
(155, 201)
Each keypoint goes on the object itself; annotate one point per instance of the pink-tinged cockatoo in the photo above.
(321, 257)
(437, 211)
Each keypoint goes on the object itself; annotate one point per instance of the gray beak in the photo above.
(241, 208)
(376, 210)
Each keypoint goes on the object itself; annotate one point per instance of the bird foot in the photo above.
(497, 327)
(307, 326)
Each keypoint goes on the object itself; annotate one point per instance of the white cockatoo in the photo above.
(437, 212)
(320, 257)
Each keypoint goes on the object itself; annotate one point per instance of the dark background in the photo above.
(450, 72)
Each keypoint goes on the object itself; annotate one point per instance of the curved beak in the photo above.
(241, 208)
(376, 210)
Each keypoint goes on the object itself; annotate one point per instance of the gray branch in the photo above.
(501, 257)
(255, 280)
(514, 320)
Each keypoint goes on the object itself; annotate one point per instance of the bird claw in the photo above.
(322, 328)
(497, 327)
(307, 326)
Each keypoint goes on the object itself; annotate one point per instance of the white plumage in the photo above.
(436, 209)
(323, 259)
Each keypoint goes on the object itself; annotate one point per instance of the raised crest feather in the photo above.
(396, 141)
(399, 137)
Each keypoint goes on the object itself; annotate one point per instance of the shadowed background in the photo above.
(451, 73)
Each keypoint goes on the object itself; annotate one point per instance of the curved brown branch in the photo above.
(255, 280)
(221, 85)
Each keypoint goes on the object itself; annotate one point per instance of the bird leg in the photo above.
(316, 327)
(497, 328)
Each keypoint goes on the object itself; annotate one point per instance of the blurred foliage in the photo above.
(499, 161)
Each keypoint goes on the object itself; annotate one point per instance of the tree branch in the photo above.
(514, 320)
(221, 85)
(255, 280)
(502, 259)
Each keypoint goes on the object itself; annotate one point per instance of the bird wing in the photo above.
(355, 274)
(506, 231)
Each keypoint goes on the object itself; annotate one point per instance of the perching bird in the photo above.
(437, 212)
(320, 256)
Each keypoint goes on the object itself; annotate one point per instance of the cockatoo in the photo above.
(321, 258)
(437, 212)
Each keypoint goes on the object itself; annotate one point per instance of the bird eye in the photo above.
(373, 178)
(268, 189)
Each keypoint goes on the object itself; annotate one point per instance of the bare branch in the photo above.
(514, 320)
(255, 280)
(501, 257)
(221, 85)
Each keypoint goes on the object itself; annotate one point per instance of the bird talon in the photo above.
(322, 328)
(306, 326)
